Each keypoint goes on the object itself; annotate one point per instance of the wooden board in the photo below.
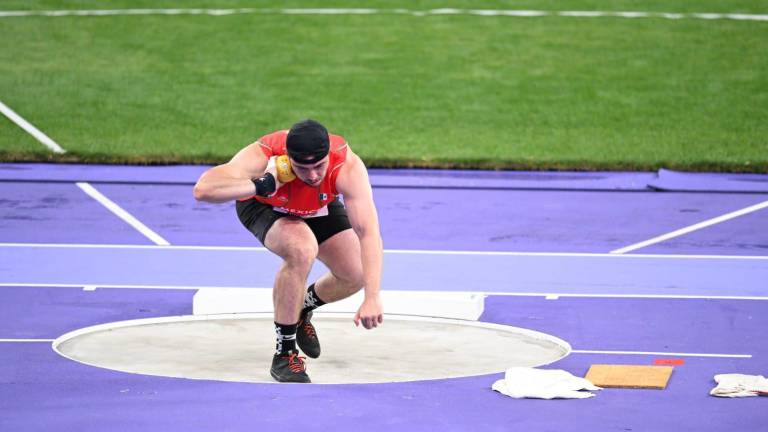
(629, 376)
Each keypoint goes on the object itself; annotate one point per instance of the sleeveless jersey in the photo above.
(296, 197)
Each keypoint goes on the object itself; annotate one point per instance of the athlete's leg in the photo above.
(341, 254)
(293, 241)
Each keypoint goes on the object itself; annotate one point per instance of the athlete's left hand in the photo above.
(370, 313)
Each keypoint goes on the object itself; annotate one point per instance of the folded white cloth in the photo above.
(523, 382)
(739, 385)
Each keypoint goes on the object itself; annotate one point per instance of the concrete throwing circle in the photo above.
(239, 347)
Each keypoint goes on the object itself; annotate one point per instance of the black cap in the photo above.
(307, 142)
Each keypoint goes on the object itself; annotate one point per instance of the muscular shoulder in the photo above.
(249, 162)
(274, 143)
(352, 174)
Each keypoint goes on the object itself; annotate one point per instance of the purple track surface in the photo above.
(515, 236)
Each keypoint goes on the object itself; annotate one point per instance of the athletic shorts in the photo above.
(258, 218)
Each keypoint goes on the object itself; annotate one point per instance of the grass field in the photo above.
(443, 91)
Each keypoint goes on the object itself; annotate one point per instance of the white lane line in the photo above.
(547, 296)
(107, 286)
(573, 254)
(129, 246)
(396, 251)
(659, 353)
(368, 11)
(557, 296)
(122, 214)
(27, 126)
(26, 340)
(692, 228)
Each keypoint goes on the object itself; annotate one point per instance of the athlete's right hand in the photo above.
(272, 169)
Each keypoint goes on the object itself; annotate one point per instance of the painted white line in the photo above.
(127, 246)
(26, 340)
(111, 12)
(582, 14)
(552, 296)
(332, 11)
(95, 287)
(368, 11)
(619, 296)
(27, 126)
(659, 353)
(394, 251)
(122, 214)
(573, 254)
(692, 228)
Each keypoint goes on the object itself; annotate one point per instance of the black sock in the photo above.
(311, 301)
(286, 338)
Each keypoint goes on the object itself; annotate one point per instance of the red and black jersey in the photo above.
(296, 197)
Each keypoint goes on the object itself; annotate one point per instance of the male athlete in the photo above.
(288, 185)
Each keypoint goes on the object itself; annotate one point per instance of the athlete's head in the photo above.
(308, 145)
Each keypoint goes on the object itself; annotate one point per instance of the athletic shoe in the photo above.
(289, 368)
(306, 337)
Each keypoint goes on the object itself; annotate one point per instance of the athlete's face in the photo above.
(311, 174)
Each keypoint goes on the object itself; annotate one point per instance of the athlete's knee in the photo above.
(301, 255)
(353, 279)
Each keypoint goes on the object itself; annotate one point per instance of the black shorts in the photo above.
(258, 218)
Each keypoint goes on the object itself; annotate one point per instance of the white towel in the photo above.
(739, 385)
(523, 382)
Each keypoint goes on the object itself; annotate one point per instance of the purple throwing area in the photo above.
(549, 250)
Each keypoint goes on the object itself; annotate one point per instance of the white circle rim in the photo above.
(565, 346)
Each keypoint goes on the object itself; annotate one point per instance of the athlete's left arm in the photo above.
(354, 184)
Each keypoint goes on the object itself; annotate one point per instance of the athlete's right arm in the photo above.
(232, 180)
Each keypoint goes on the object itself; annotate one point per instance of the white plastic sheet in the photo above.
(739, 385)
(522, 382)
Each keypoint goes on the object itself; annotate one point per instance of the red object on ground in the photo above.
(668, 362)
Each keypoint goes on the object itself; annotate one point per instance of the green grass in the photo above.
(730, 6)
(441, 91)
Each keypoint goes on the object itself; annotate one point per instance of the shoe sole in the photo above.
(308, 354)
(276, 378)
